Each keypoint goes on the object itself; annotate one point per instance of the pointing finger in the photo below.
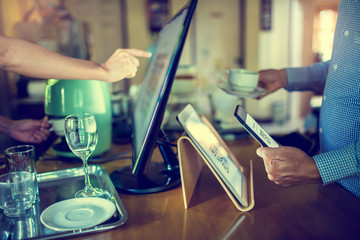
(138, 52)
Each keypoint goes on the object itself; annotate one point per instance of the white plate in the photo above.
(256, 93)
(77, 213)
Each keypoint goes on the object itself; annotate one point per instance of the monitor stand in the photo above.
(159, 176)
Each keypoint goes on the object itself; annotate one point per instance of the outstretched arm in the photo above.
(311, 78)
(31, 60)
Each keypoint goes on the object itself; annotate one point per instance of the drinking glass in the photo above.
(81, 136)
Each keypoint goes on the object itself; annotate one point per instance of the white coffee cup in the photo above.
(58, 126)
(240, 79)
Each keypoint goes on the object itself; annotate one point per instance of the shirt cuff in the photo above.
(337, 164)
(296, 79)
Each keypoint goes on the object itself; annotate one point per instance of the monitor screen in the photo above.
(150, 106)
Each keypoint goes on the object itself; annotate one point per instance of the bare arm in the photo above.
(31, 60)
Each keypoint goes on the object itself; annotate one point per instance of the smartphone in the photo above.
(255, 130)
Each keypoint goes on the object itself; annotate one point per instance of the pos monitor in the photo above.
(146, 176)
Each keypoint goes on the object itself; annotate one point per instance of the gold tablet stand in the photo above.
(191, 167)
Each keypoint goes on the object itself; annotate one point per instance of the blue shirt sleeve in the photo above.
(347, 163)
(311, 78)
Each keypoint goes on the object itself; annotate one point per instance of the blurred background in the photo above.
(252, 34)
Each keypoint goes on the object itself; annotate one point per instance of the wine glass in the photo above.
(81, 136)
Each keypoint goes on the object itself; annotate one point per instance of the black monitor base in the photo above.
(156, 179)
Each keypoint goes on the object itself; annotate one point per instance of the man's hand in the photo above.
(288, 166)
(272, 80)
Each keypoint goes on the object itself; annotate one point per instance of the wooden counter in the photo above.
(309, 211)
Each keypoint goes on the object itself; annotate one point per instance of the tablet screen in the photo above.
(214, 152)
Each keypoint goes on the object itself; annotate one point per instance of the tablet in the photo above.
(215, 152)
(255, 130)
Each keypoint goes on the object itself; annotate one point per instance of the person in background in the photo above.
(32, 60)
(339, 81)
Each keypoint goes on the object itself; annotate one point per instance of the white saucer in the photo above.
(77, 213)
(256, 93)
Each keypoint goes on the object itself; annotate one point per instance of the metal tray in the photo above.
(57, 186)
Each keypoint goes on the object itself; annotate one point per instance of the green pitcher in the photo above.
(65, 97)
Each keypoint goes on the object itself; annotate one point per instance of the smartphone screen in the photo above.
(254, 128)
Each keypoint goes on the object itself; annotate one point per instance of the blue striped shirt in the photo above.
(339, 79)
